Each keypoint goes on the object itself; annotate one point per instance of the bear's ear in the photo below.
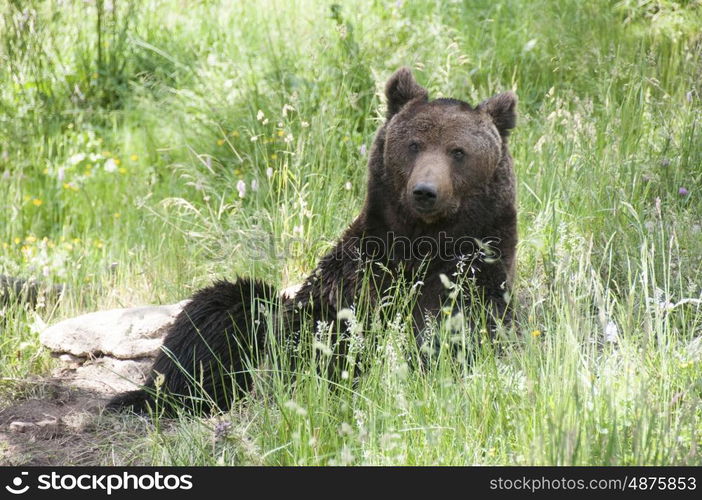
(502, 108)
(401, 89)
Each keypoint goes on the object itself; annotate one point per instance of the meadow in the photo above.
(150, 147)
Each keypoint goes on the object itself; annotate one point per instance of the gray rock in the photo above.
(109, 375)
(69, 359)
(130, 333)
(47, 428)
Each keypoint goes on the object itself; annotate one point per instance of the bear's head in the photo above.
(444, 156)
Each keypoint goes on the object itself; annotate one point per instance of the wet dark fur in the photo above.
(223, 324)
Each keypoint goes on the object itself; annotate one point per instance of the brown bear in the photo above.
(439, 214)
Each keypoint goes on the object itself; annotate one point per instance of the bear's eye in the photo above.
(458, 154)
(414, 147)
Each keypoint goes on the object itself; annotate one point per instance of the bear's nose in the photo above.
(424, 195)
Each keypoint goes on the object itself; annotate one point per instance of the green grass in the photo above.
(122, 143)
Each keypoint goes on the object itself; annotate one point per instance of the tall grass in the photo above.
(130, 130)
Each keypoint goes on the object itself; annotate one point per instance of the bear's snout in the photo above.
(424, 196)
(429, 190)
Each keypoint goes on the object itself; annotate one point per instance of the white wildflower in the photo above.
(446, 281)
(322, 347)
(529, 45)
(346, 456)
(346, 314)
(110, 165)
(293, 406)
(611, 333)
(76, 158)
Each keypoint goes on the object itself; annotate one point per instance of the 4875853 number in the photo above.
(647, 483)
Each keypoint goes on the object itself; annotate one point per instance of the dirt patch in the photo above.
(59, 420)
(59, 427)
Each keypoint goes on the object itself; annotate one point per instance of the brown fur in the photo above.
(437, 169)
(476, 199)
